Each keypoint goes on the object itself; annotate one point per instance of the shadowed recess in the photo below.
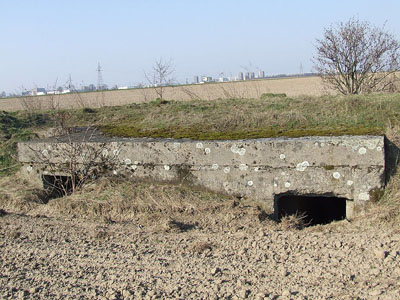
(316, 209)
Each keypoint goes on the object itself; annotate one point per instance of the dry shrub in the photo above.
(2, 212)
(294, 222)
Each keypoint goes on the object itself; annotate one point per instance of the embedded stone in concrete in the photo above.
(348, 167)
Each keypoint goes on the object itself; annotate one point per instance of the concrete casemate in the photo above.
(351, 167)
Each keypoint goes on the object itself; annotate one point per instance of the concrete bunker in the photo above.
(339, 172)
(316, 209)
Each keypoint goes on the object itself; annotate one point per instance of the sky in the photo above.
(44, 42)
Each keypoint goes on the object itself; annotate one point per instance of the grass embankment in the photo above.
(271, 115)
(252, 118)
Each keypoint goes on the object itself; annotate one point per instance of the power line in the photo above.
(100, 84)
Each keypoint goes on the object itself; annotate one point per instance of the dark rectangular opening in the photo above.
(317, 209)
(57, 185)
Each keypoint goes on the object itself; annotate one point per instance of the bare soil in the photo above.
(229, 250)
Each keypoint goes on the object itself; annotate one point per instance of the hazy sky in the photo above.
(42, 41)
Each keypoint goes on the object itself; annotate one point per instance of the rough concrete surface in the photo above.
(351, 167)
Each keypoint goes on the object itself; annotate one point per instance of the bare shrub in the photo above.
(79, 161)
(357, 57)
(294, 222)
(161, 76)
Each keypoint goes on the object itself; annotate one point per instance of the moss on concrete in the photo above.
(204, 133)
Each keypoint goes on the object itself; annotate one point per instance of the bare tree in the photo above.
(356, 57)
(160, 76)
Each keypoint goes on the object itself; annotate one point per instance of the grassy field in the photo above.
(244, 89)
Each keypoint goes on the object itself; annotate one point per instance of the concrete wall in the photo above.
(349, 166)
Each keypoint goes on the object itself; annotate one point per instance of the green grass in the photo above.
(16, 127)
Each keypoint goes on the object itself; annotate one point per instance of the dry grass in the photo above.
(294, 222)
(17, 194)
(124, 201)
(162, 207)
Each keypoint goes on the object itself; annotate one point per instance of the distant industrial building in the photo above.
(251, 75)
(240, 76)
(206, 79)
(261, 74)
(89, 88)
(196, 79)
(102, 87)
(54, 92)
(38, 91)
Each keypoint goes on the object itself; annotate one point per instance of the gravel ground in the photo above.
(56, 258)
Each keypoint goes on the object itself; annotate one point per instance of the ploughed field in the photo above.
(294, 86)
(140, 240)
(235, 256)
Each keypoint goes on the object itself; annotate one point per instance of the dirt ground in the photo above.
(228, 251)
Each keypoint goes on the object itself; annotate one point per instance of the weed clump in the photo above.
(296, 221)
(272, 95)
